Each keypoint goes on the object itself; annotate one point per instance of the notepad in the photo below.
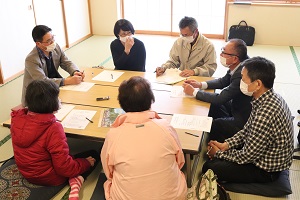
(81, 87)
(170, 76)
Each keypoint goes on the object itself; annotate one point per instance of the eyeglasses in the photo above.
(49, 41)
(229, 54)
(125, 33)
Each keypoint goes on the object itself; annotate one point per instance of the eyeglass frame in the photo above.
(125, 33)
(229, 54)
(49, 41)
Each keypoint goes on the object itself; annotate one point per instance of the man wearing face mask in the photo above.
(231, 108)
(45, 59)
(192, 53)
(264, 147)
(128, 52)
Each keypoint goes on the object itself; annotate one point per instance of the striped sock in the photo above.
(75, 184)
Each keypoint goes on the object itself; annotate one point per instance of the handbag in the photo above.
(245, 33)
(207, 188)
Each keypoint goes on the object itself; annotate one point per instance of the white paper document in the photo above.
(81, 87)
(63, 111)
(170, 76)
(191, 122)
(177, 91)
(108, 76)
(78, 119)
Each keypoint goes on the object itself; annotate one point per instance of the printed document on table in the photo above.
(191, 122)
(170, 76)
(108, 76)
(81, 87)
(77, 119)
(177, 91)
(63, 111)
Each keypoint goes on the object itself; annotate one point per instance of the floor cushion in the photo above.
(98, 193)
(14, 186)
(280, 187)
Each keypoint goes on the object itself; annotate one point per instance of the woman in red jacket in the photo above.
(40, 146)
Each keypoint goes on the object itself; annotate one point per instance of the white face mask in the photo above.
(51, 47)
(223, 61)
(123, 39)
(189, 39)
(244, 88)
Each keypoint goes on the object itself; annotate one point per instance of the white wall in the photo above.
(104, 14)
(274, 25)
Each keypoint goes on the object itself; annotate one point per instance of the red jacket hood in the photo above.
(30, 126)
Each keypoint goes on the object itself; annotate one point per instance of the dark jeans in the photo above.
(238, 173)
(224, 125)
(92, 153)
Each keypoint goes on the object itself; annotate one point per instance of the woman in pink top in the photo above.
(142, 155)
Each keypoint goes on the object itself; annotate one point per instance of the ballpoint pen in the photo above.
(89, 120)
(207, 153)
(191, 134)
(112, 76)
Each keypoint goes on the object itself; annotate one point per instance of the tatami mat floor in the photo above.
(96, 51)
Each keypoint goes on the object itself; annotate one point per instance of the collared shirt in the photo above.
(52, 72)
(267, 139)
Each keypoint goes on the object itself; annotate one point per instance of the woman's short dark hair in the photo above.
(42, 96)
(135, 95)
(190, 22)
(123, 24)
(39, 31)
(260, 68)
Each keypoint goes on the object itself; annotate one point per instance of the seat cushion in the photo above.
(14, 186)
(280, 187)
(98, 193)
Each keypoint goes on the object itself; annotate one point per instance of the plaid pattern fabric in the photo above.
(267, 139)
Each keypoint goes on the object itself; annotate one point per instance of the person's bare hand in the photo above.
(128, 44)
(193, 83)
(187, 72)
(82, 74)
(160, 71)
(188, 89)
(91, 160)
(73, 80)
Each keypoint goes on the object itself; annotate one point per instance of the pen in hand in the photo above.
(89, 120)
(191, 134)
(207, 153)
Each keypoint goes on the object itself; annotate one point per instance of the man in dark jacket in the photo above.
(231, 108)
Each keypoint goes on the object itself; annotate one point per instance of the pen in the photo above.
(191, 134)
(112, 76)
(154, 71)
(207, 153)
(102, 98)
(89, 120)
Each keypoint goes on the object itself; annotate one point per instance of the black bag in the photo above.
(245, 33)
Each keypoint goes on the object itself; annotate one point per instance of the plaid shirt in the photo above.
(267, 139)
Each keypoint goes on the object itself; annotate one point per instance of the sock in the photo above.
(75, 184)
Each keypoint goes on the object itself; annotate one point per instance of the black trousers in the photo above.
(92, 153)
(224, 125)
(237, 173)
